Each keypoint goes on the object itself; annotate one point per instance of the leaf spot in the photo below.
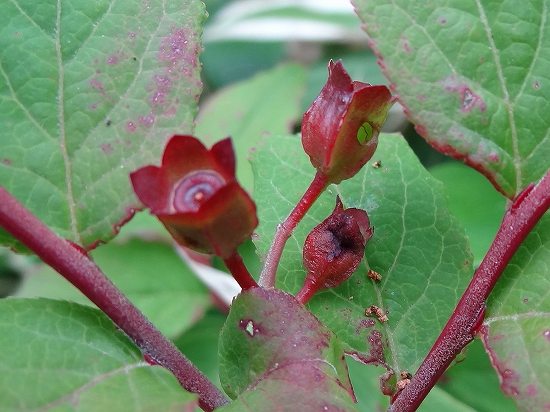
(147, 120)
(248, 326)
(131, 127)
(469, 99)
(107, 148)
(112, 59)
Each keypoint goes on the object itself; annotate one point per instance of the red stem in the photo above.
(526, 210)
(307, 291)
(239, 271)
(285, 229)
(75, 266)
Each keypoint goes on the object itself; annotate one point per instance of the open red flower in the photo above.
(334, 249)
(195, 195)
(340, 129)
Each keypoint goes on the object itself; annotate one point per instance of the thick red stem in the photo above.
(526, 210)
(239, 271)
(75, 266)
(285, 229)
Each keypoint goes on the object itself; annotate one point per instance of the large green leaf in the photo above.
(473, 202)
(474, 77)
(417, 246)
(269, 103)
(274, 355)
(150, 274)
(89, 91)
(516, 331)
(62, 356)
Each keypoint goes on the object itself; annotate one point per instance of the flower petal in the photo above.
(223, 222)
(150, 187)
(224, 154)
(184, 154)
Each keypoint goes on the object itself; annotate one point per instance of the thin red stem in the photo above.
(519, 220)
(306, 293)
(75, 266)
(239, 271)
(285, 229)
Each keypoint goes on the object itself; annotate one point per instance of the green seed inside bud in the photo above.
(364, 134)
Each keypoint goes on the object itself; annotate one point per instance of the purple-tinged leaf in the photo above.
(474, 78)
(516, 330)
(270, 342)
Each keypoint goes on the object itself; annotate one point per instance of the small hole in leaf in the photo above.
(364, 134)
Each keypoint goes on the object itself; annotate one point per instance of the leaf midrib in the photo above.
(505, 94)
(61, 122)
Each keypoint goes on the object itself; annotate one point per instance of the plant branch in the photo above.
(526, 210)
(75, 266)
(285, 229)
(239, 271)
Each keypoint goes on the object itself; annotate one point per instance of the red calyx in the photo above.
(195, 195)
(340, 129)
(334, 249)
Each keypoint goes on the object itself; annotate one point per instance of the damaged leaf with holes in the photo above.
(272, 347)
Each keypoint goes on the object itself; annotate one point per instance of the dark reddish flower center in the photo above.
(195, 189)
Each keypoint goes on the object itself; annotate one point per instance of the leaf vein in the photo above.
(61, 122)
(505, 93)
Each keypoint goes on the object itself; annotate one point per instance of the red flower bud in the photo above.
(195, 195)
(340, 129)
(334, 249)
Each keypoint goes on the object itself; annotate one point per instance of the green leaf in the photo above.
(90, 91)
(200, 344)
(66, 357)
(418, 248)
(474, 78)
(516, 330)
(473, 380)
(248, 111)
(152, 276)
(365, 381)
(274, 354)
(473, 202)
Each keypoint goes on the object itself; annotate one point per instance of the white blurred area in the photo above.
(286, 20)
